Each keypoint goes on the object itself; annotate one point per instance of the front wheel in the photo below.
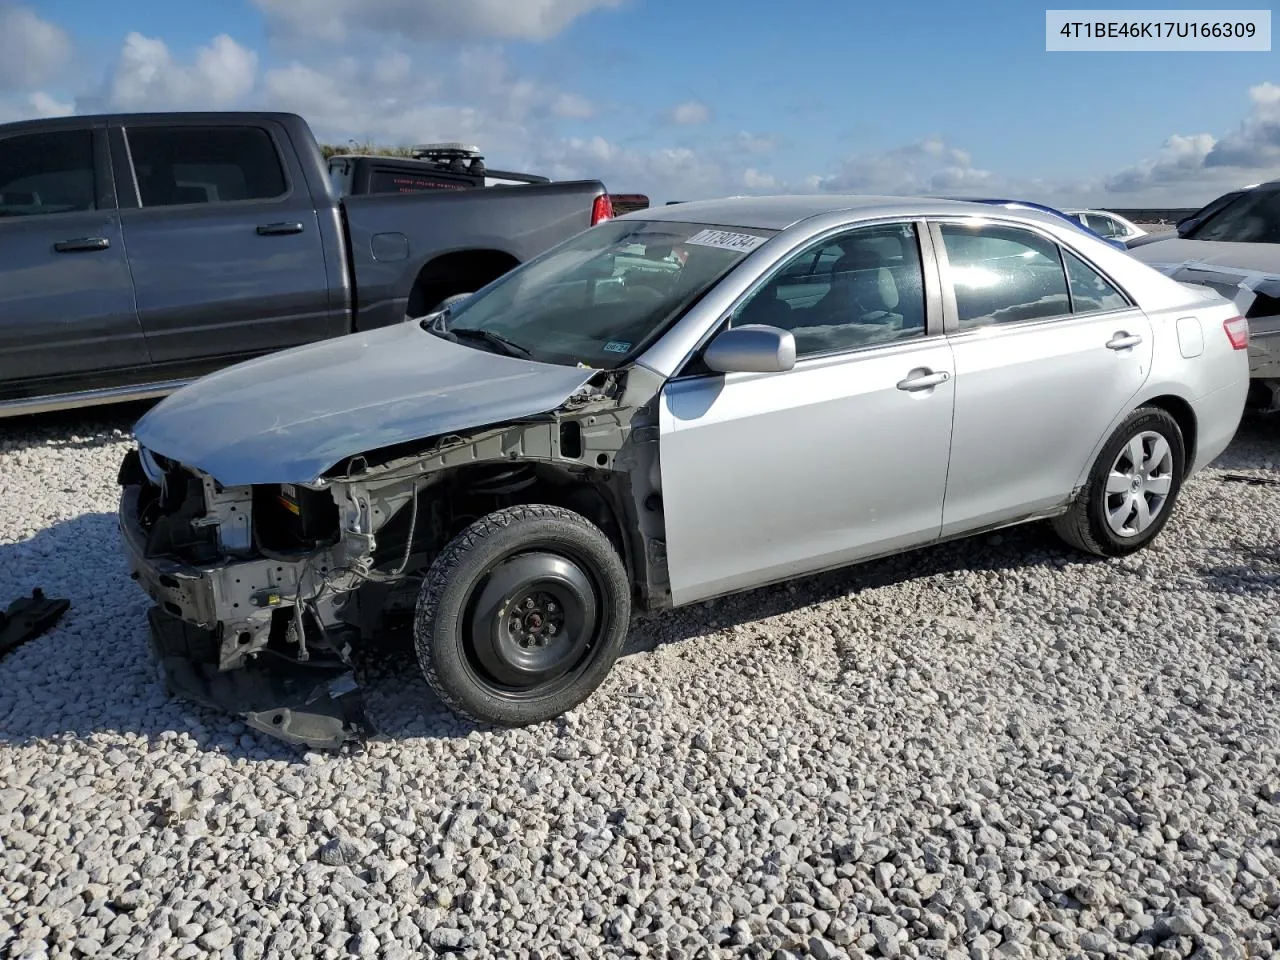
(1131, 489)
(522, 615)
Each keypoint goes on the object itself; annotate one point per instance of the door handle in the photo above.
(278, 229)
(1123, 340)
(82, 244)
(924, 381)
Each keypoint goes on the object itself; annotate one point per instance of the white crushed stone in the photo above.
(991, 749)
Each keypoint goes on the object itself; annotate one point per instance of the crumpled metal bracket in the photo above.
(305, 704)
(28, 617)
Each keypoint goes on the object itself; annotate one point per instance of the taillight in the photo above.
(1237, 329)
(601, 209)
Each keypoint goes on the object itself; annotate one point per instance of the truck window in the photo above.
(217, 164)
(43, 173)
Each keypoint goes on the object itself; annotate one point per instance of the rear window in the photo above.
(215, 164)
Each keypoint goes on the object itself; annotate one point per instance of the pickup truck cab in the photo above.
(139, 252)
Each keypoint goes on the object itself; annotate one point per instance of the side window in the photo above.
(43, 173)
(863, 288)
(179, 165)
(1104, 226)
(1003, 275)
(1090, 291)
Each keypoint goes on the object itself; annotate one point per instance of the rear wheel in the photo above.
(522, 615)
(1132, 488)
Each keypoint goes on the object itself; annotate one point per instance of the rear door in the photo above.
(223, 238)
(67, 317)
(1048, 352)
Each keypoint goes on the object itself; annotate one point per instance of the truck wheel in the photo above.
(522, 615)
(1131, 489)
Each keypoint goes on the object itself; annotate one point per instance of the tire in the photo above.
(492, 665)
(1090, 525)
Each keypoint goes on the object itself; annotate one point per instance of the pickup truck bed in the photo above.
(141, 251)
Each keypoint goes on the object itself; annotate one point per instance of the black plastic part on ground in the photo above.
(28, 617)
(309, 704)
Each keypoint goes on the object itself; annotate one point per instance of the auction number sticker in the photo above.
(726, 240)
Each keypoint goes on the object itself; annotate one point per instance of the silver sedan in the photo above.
(674, 405)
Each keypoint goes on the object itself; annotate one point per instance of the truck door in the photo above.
(67, 318)
(224, 241)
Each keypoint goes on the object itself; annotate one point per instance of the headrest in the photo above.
(864, 269)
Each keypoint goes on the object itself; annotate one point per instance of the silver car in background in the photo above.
(681, 403)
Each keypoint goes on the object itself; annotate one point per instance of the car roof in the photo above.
(781, 212)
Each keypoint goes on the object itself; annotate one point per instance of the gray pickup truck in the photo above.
(139, 252)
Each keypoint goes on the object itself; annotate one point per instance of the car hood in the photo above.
(1252, 257)
(1241, 272)
(289, 416)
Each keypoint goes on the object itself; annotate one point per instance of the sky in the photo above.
(682, 101)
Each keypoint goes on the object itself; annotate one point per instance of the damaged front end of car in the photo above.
(266, 594)
(228, 569)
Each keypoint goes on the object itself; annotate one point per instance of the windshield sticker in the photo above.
(617, 346)
(726, 240)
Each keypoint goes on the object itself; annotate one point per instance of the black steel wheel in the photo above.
(522, 615)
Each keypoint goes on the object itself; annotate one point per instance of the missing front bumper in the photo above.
(312, 705)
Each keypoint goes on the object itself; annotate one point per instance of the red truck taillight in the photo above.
(601, 209)
(1237, 332)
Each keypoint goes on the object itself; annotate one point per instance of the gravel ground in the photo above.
(988, 749)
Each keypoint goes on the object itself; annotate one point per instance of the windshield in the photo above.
(601, 297)
(1253, 217)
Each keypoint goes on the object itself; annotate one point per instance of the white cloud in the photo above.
(690, 113)
(397, 67)
(146, 76)
(754, 143)
(431, 20)
(31, 49)
(1200, 166)
(34, 106)
(573, 106)
(928, 166)
(753, 179)
(43, 105)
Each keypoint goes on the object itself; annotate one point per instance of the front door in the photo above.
(1048, 352)
(67, 317)
(224, 240)
(843, 457)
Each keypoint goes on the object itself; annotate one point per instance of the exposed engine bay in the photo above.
(266, 594)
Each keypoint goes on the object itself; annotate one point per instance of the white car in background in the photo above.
(1107, 224)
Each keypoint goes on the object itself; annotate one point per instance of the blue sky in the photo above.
(923, 97)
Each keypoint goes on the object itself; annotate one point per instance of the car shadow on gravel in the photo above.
(83, 428)
(1014, 548)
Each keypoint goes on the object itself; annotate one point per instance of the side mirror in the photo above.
(1184, 226)
(753, 348)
